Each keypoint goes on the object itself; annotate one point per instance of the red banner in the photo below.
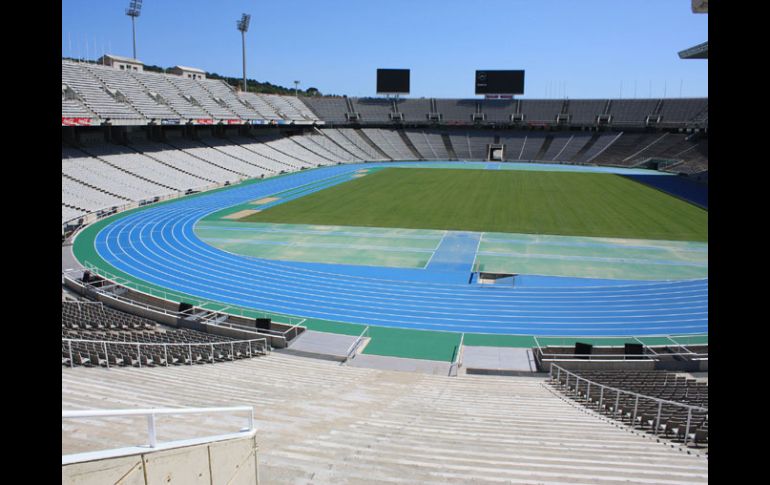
(233, 122)
(204, 122)
(75, 121)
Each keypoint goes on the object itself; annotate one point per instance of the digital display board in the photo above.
(392, 81)
(499, 82)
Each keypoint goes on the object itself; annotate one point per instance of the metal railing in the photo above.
(152, 436)
(72, 225)
(281, 335)
(613, 392)
(456, 361)
(256, 347)
(351, 352)
(171, 296)
(649, 350)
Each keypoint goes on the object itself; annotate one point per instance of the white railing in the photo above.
(456, 361)
(69, 275)
(153, 443)
(152, 291)
(256, 347)
(351, 352)
(616, 393)
(72, 225)
(649, 350)
(281, 335)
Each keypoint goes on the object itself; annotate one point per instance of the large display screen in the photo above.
(392, 81)
(499, 82)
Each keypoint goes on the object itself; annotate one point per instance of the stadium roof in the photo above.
(123, 59)
(193, 69)
(700, 51)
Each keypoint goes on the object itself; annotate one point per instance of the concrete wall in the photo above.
(232, 462)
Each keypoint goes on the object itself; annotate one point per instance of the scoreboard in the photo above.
(499, 82)
(392, 81)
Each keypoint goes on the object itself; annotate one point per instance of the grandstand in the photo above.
(530, 356)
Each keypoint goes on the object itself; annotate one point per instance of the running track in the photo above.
(158, 245)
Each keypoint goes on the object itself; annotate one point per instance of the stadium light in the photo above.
(243, 26)
(296, 85)
(133, 11)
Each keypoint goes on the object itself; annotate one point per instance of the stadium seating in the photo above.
(300, 108)
(595, 146)
(273, 157)
(95, 335)
(585, 111)
(97, 175)
(331, 110)
(128, 97)
(186, 162)
(456, 110)
(181, 103)
(145, 168)
(303, 156)
(94, 94)
(224, 94)
(352, 143)
(321, 422)
(429, 144)
(415, 110)
(265, 165)
(357, 138)
(328, 148)
(373, 110)
(652, 411)
(209, 153)
(498, 110)
(72, 106)
(136, 94)
(541, 110)
(689, 109)
(631, 111)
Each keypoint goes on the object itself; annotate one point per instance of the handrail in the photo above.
(261, 346)
(155, 293)
(624, 357)
(701, 408)
(354, 345)
(456, 363)
(589, 383)
(162, 344)
(258, 331)
(129, 301)
(151, 431)
(109, 210)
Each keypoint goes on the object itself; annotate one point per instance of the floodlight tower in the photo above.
(243, 26)
(133, 11)
(296, 85)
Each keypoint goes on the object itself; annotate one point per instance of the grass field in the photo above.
(559, 203)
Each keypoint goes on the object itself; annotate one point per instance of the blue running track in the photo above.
(158, 245)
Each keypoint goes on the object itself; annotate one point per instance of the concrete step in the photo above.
(319, 422)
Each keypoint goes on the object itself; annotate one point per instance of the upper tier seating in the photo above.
(130, 97)
(94, 93)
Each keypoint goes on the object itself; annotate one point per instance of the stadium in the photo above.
(275, 287)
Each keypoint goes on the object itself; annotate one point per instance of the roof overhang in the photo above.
(700, 51)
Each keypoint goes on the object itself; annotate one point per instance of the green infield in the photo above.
(559, 203)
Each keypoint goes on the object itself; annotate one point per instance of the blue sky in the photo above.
(577, 49)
